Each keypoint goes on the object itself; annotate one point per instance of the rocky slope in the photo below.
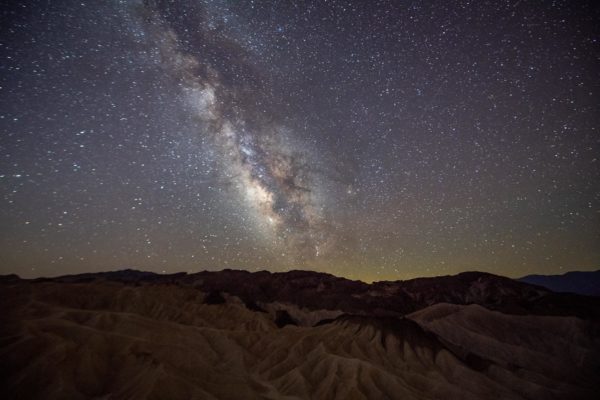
(232, 335)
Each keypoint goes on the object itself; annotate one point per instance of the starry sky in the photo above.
(376, 140)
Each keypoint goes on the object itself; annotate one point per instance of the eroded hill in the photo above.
(232, 335)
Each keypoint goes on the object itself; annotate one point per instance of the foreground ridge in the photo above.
(295, 335)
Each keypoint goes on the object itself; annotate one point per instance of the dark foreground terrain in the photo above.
(295, 335)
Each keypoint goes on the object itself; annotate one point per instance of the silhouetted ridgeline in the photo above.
(579, 282)
(315, 290)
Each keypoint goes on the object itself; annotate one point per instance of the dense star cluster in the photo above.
(370, 139)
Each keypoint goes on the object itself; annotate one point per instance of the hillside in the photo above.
(297, 335)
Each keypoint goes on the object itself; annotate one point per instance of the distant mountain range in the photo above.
(580, 282)
(295, 335)
(317, 290)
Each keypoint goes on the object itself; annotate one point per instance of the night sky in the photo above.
(369, 139)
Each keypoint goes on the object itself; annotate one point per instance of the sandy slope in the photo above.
(116, 341)
(559, 354)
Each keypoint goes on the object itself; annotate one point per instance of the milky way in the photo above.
(375, 140)
(273, 180)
